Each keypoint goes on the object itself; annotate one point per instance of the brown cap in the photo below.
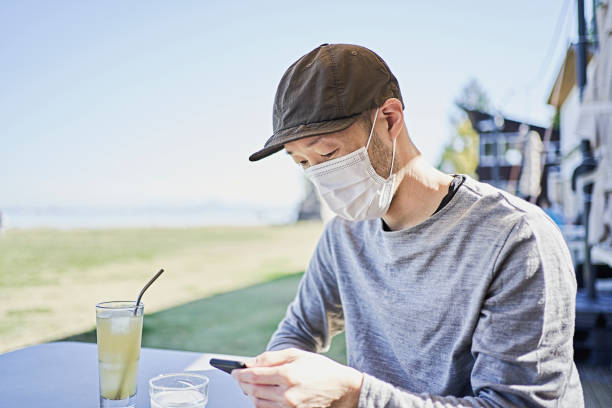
(325, 91)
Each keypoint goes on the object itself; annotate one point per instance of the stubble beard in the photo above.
(380, 156)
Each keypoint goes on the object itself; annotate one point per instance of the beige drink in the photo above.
(119, 331)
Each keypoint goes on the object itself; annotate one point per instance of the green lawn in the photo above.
(42, 256)
(237, 322)
(50, 280)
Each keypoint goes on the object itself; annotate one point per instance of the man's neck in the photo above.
(419, 193)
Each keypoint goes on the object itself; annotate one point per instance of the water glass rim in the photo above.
(125, 305)
(205, 381)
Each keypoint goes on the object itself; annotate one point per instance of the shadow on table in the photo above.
(237, 322)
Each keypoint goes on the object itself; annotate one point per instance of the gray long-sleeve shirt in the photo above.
(472, 307)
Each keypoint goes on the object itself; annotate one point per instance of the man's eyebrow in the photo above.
(314, 141)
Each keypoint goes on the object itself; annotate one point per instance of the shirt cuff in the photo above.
(374, 392)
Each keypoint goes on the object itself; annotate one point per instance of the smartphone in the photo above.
(226, 365)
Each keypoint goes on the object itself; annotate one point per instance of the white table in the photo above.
(65, 374)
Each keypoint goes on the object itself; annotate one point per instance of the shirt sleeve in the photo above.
(315, 315)
(522, 343)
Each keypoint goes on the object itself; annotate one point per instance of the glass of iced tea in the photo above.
(119, 330)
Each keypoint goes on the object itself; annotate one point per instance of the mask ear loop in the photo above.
(392, 157)
(390, 190)
(372, 130)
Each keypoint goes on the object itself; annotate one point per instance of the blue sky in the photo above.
(158, 102)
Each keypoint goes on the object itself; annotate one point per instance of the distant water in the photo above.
(151, 216)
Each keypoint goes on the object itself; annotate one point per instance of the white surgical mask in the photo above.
(350, 186)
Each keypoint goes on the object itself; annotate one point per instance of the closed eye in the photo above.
(305, 164)
(330, 154)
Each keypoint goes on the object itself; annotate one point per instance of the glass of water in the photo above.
(180, 390)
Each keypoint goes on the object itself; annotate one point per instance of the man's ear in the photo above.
(394, 115)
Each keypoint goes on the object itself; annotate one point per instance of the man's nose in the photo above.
(315, 160)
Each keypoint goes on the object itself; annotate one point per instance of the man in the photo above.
(451, 293)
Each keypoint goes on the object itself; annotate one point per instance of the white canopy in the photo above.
(595, 124)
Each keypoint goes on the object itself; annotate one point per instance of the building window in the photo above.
(508, 149)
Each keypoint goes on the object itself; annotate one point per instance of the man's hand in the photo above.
(294, 378)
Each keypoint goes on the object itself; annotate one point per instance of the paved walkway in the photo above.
(596, 385)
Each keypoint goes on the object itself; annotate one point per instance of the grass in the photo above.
(42, 256)
(237, 322)
(50, 280)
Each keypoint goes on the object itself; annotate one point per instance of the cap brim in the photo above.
(278, 140)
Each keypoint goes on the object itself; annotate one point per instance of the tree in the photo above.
(473, 96)
(460, 154)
